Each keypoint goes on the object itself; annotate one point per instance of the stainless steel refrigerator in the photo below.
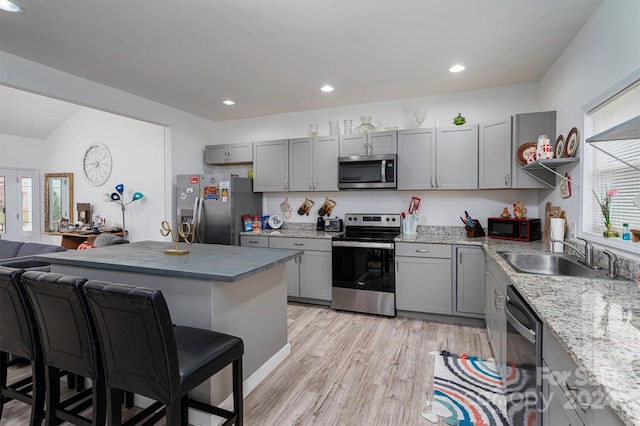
(220, 201)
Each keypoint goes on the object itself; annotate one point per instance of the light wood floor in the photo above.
(346, 369)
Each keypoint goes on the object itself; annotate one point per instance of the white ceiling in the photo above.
(272, 56)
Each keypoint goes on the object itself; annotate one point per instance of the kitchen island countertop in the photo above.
(204, 261)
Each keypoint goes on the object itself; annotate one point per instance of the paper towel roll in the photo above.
(557, 233)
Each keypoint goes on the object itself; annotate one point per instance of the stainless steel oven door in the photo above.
(363, 277)
(524, 359)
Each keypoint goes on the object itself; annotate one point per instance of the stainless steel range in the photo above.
(363, 264)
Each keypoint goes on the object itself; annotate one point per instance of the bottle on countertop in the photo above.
(626, 234)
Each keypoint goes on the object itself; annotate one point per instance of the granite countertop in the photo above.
(204, 261)
(597, 321)
(292, 233)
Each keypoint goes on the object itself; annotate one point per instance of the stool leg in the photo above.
(52, 377)
(114, 404)
(99, 402)
(184, 411)
(237, 390)
(38, 392)
(4, 361)
(128, 399)
(174, 415)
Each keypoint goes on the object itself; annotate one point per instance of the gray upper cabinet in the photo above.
(416, 158)
(457, 157)
(371, 143)
(526, 128)
(313, 164)
(442, 158)
(228, 154)
(271, 166)
(494, 163)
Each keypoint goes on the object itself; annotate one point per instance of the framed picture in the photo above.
(565, 186)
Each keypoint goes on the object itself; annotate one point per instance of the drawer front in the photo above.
(442, 251)
(254, 241)
(300, 243)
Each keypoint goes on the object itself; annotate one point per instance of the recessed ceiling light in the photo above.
(10, 6)
(457, 68)
(227, 102)
(326, 88)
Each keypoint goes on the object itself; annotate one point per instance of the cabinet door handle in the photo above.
(253, 241)
(433, 182)
(506, 179)
(575, 392)
(422, 251)
(298, 244)
(310, 187)
(286, 184)
(437, 182)
(314, 183)
(397, 266)
(460, 258)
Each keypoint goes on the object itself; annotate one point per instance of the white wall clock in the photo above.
(97, 163)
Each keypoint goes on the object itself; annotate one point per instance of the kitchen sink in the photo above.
(549, 264)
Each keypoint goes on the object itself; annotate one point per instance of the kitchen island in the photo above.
(241, 291)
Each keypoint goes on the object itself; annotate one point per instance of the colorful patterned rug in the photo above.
(467, 391)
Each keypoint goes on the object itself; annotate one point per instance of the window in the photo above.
(606, 172)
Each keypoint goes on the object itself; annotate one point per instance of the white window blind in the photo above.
(608, 172)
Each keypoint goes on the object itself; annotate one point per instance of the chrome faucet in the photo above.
(587, 256)
(612, 263)
(588, 252)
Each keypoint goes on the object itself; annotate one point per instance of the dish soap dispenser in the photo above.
(626, 235)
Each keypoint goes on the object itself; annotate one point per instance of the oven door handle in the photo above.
(526, 332)
(360, 244)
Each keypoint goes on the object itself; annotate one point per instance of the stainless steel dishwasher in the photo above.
(524, 361)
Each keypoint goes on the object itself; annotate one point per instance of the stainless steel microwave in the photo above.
(367, 172)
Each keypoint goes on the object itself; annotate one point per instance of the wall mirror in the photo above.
(58, 200)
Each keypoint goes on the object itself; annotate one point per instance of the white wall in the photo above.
(18, 151)
(137, 150)
(605, 51)
(185, 133)
(438, 207)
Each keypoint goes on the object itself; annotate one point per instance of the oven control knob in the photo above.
(393, 219)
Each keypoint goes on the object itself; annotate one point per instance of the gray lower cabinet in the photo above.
(309, 276)
(496, 287)
(571, 399)
(228, 153)
(423, 278)
(494, 155)
(470, 286)
(254, 241)
(271, 166)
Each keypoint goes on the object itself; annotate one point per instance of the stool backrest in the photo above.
(137, 340)
(66, 329)
(18, 328)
